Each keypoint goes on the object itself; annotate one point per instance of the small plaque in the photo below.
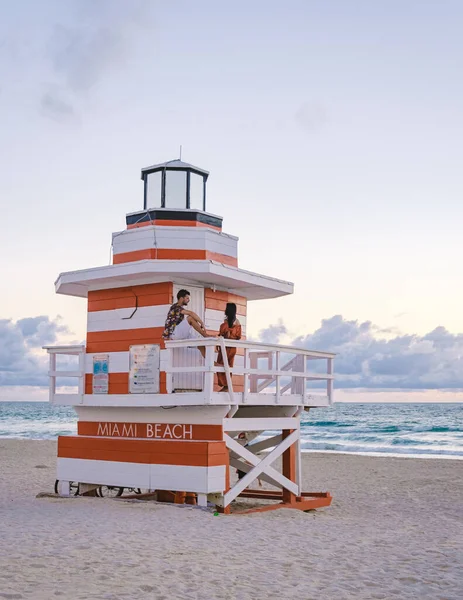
(100, 373)
(144, 369)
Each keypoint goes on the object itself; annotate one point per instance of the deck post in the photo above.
(52, 375)
(202, 500)
(329, 383)
(253, 364)
(278, 377)
(227, 370)
(246, 376)
(289, 467)
(82, 376)
(169, 376)
(209, 374)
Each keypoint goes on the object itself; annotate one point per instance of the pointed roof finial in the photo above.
(180, 157)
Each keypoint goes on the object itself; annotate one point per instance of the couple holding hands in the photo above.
(181, 324)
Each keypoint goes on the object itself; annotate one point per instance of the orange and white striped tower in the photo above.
(149, 412)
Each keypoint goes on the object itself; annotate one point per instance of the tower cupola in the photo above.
(174, 184)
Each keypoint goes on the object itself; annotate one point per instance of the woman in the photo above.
(230, 330)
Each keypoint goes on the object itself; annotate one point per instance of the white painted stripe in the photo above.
(160, 477)
(179, 229)
(116, 320)
(118, 362)
(168, 233)
(147, 316)
(188, 239)
(256, 424)
(103, 472)
(194, 415)
(193, 479)
(215, 318)
(218, 246)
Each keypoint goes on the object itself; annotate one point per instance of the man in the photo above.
(179, 328)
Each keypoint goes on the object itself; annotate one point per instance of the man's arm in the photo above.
(190, 313)
(169, 326)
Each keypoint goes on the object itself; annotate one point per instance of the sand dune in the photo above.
(394, 531)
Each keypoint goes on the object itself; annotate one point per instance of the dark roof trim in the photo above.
(174, 215)
(174, 165)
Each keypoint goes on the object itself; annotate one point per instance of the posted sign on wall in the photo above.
(100, 373)
(144, 369)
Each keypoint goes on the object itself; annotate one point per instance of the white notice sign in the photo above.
(144, 369)
(100, 378)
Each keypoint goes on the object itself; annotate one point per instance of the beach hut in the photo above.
(150, 413)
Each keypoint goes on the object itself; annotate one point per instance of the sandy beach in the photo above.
(394, 530)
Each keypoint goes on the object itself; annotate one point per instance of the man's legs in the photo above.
(196, 326)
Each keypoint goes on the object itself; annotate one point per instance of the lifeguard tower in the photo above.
(150, 415)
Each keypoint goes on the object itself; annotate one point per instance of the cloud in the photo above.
(40, 331)
(367, 360)
(98, 39)
(273, 333)
(20, 364)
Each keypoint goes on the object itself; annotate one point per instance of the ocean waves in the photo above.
(399, 429)
(430, 430)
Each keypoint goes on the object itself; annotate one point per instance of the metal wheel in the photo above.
(73, 488)
(109, 491)
(134, 491)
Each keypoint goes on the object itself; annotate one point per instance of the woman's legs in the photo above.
(221, 377)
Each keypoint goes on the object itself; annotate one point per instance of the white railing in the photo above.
(53, 373)
(284, 376)
(281, 380)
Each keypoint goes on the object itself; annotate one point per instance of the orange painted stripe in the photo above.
(176, 254)
(142, 446)
(143, 451)
(173, 223)
(222, 258)
(131, 335)
(142, 458)
(124, 257)
(120, 385)
(198, 432)
(226, 296)
(120, 341)
(221, 305)
(151, 300)
(131, 291)
(120, 346)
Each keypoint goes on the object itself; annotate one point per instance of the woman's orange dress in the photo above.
(229, 333)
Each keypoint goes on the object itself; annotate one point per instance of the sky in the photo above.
(333, 132)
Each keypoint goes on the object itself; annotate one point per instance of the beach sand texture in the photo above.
(394, 530)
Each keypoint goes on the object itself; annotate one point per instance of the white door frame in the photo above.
(195, 305)
(189, 356)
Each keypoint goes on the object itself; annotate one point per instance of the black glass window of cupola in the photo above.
(175, 185)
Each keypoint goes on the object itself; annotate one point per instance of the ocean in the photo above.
(424, 430)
